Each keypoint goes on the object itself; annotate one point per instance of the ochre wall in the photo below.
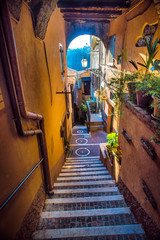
(19, 155)
(127, 31)
(137, 164)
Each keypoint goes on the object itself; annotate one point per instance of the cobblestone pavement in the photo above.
(86, 203)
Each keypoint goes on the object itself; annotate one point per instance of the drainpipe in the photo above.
(12, 71)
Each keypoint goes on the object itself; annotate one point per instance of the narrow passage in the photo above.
(87, 203)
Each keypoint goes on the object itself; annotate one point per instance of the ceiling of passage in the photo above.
(101, 11)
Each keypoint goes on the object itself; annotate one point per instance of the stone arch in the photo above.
(42, 11)
(75, 29)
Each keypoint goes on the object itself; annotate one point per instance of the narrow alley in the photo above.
(86, 203)
(80, 119)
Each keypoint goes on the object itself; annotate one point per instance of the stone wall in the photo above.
(140, 169)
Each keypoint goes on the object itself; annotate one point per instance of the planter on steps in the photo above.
(113, 164)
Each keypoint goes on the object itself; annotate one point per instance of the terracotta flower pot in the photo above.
(156, 113)
(143, 100)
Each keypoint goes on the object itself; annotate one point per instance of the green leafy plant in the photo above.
(112, 140)
(67, 148)
(118, 86)
(113, 147)
(83, 106)
(152, 50)
(147, 85)
(143, 86)
(154, 85)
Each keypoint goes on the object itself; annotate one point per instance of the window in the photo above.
(148, 31)
(111, 49)
(62, 61)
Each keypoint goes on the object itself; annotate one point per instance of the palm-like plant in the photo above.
(152, 50)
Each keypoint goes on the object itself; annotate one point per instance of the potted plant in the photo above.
(142, 99)
(131, 80)
(113, 149)
(114, 155)
(154, 90)
(143, 87)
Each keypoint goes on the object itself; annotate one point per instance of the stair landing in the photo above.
(96, 122)
(87, 203)
(95, 117)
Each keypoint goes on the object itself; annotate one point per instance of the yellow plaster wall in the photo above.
(19, 155)
(126, 33)
(134, 29)
(135, 163)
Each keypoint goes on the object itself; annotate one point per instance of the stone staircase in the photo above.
(96, 123)
(87, 205)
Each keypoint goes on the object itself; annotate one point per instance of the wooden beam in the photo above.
(107, 12)
(87, 20)
(93, 8)
(87, 4)
(94, 17)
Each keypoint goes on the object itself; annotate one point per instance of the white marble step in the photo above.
(86, 213)
(81, 169)
(88, 231)
(86, 190)
(84, 199)
(79, 127)
(83, 173)
(107, 182)
(79, 165)
(83, 178)
(83, 158)
(82, 162)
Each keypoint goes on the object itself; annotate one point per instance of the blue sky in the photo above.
(80, 42)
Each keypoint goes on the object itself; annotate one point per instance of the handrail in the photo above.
(22, 182)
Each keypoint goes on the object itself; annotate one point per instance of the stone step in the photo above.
(84, 173)
(86, 190)
(84, 178)
(86, 194)
(83, 200)
(96, 123)
(84, 206)
(81, 169)
(70, 162)
(88, 231)
(79, 165)
(96, 128)
(83, 158)
(62, 184)
(85, 213)
(79, 127)
(86, 218)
